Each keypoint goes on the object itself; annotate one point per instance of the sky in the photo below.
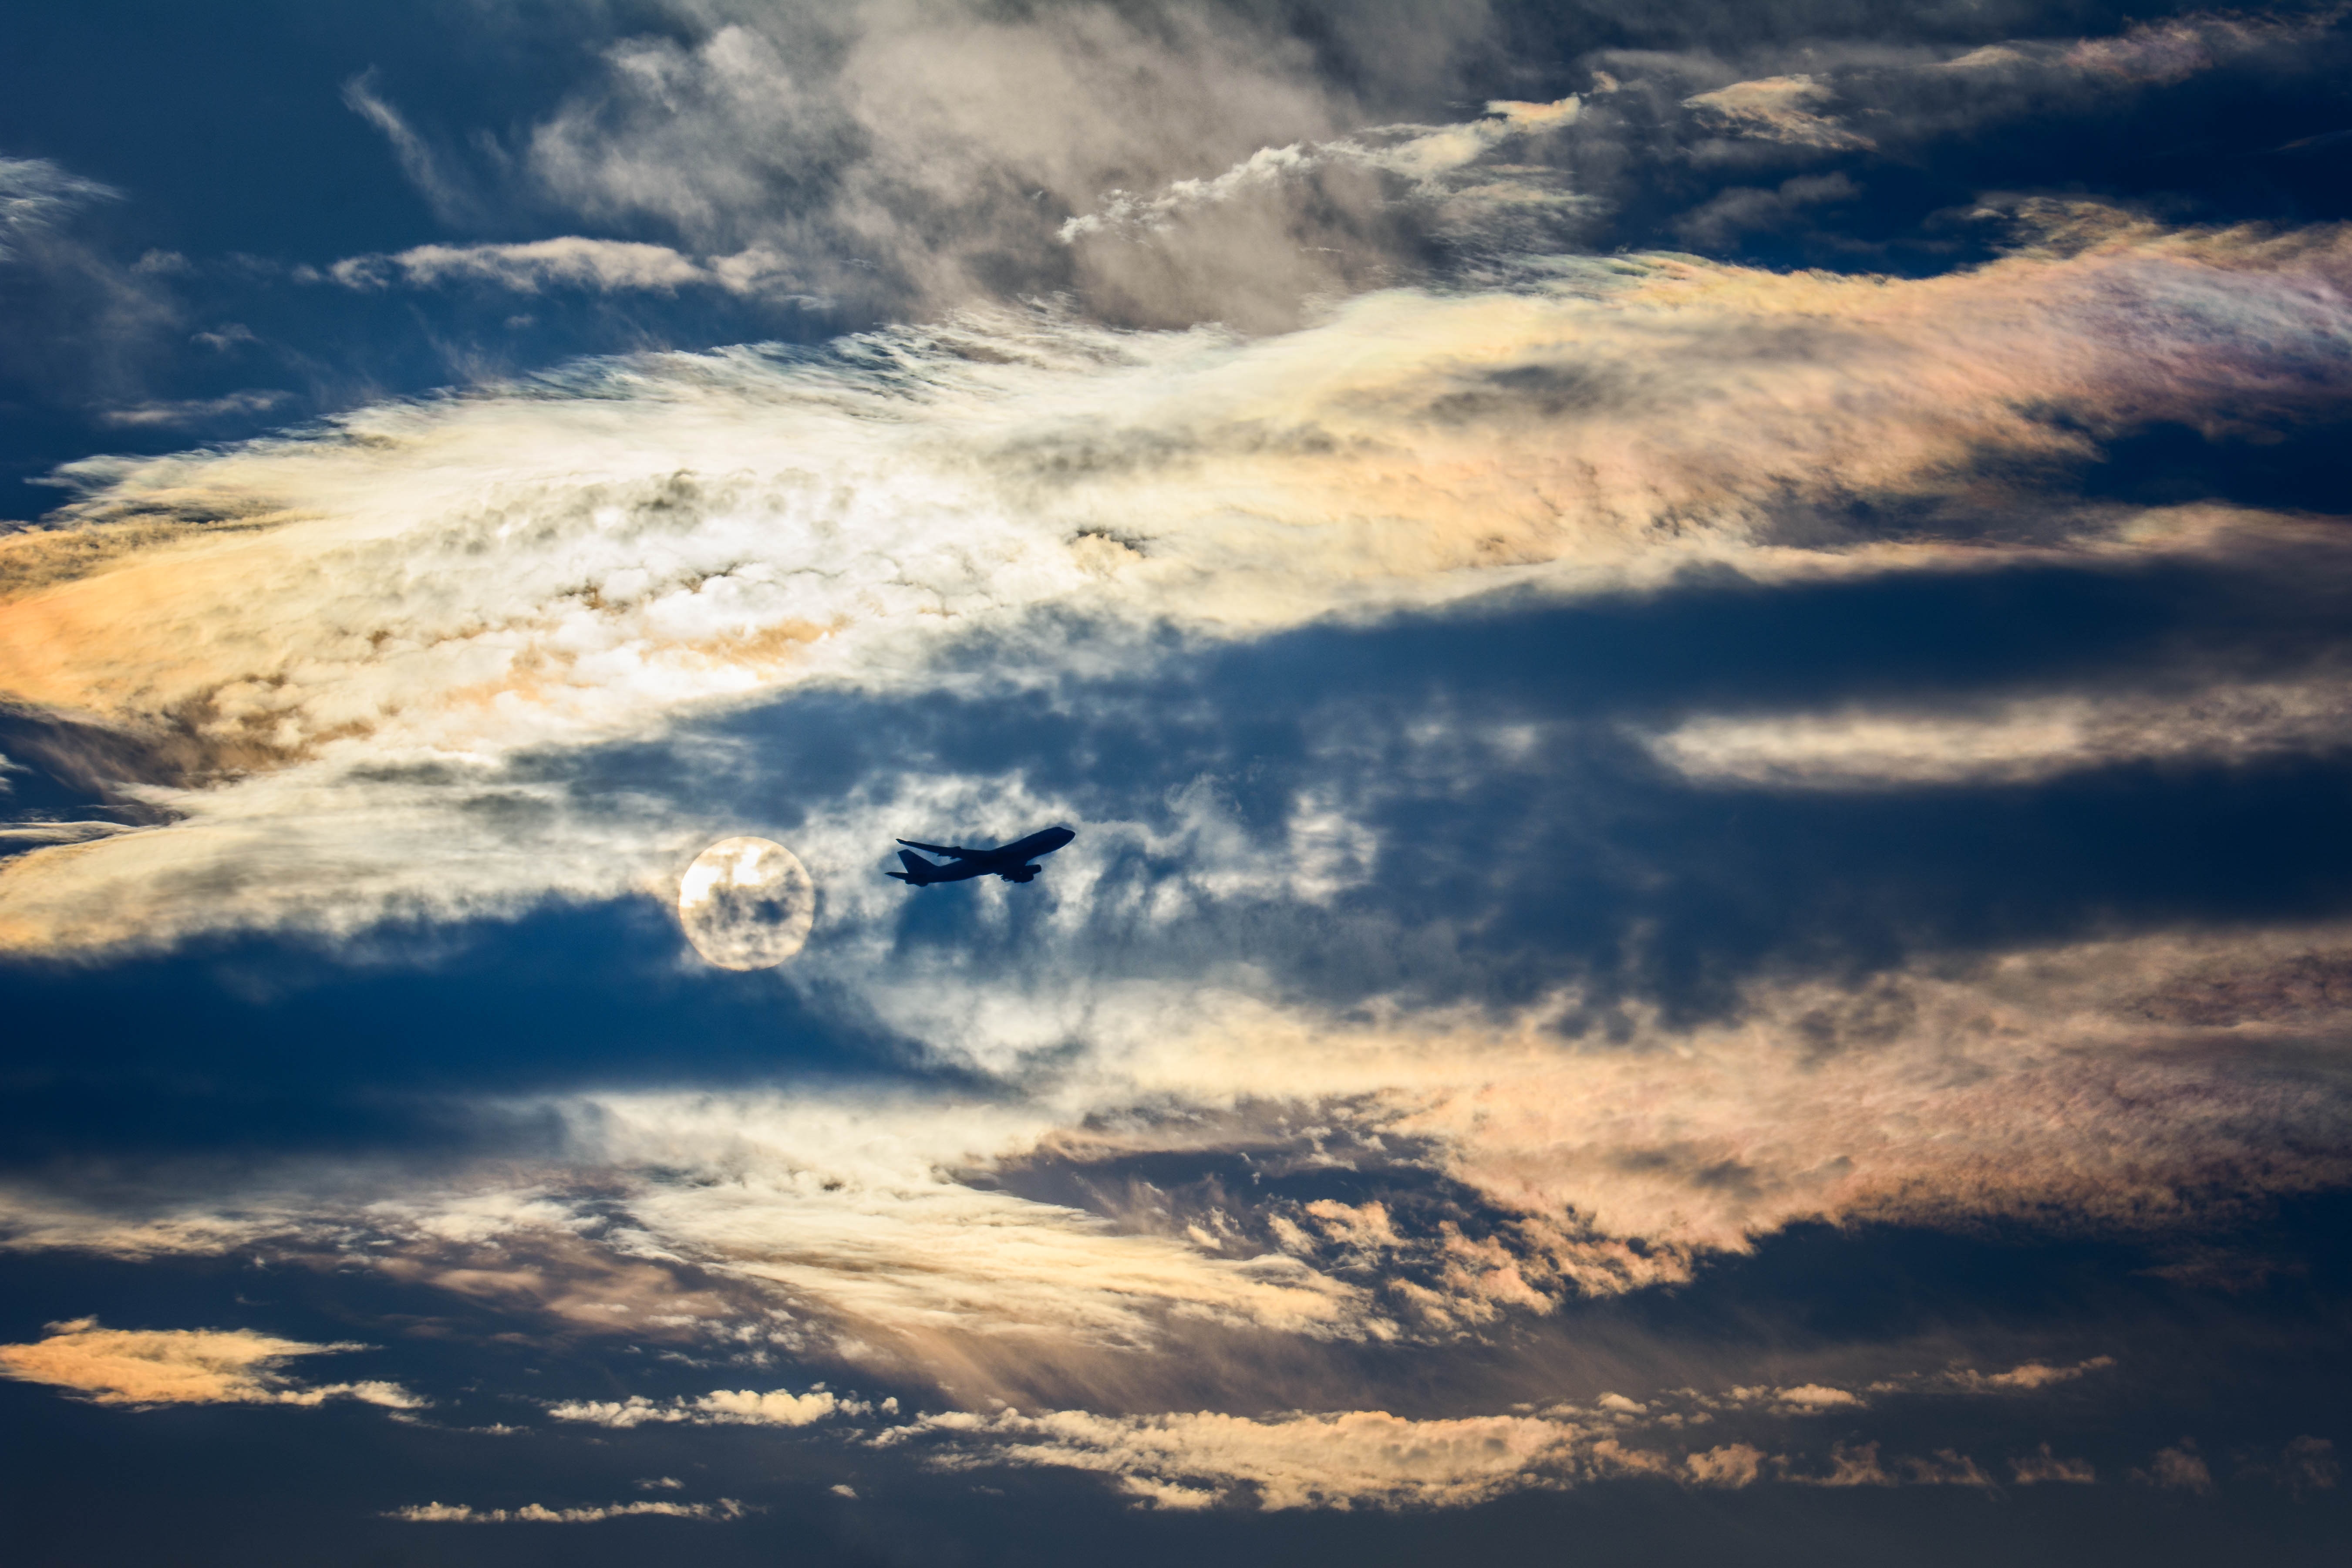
(1697, 653)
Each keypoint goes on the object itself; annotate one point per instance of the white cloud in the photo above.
(1425, 155)
(570, 262)
(725, 1407)
(2017, 741)
(1812, 1399)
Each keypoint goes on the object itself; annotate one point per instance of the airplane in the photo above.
(1009, 862)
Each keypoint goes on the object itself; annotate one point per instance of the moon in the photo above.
(747, 903)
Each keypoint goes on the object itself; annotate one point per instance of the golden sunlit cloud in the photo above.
(182, 1366)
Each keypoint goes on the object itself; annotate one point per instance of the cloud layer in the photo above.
(426, 589)
(1632, 807)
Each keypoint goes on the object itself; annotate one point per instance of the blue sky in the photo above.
(1696, 653)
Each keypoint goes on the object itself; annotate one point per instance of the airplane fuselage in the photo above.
(1010, 861)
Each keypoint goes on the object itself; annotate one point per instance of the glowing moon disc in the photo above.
(747, 903)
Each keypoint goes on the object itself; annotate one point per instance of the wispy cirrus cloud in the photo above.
(450, 194)
(36, 194)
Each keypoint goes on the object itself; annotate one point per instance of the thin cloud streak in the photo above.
(2019, 741)
(540, 1513)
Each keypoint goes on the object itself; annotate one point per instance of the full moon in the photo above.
(747, 903)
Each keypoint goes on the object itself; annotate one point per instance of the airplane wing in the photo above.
(945, 849)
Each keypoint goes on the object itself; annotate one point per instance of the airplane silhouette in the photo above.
(1009, 862)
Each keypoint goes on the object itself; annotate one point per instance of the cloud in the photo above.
(1811, 1398)
(2041, 1468)
(450, 196)
(2033, 1375)
(36, 835)
(1851, 1465)
(1427, 155)
(2178, 1469)
(2018, 741)
(921, 157)
(1356, 1459)
(1733, 1465)
(228, 335)
(1910, 95)
(1728, 214)
(79, 325)
(1945, 1468)
(1781, 109)
(193, 410)
(921, 1233)
(772, 522)
(539, 1513)
(737, 1407)
(606, 265)
(35, 194)
(144, 1368)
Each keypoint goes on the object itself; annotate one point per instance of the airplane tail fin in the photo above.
(917, 871)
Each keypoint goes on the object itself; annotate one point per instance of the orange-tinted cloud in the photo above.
(181, 1366)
